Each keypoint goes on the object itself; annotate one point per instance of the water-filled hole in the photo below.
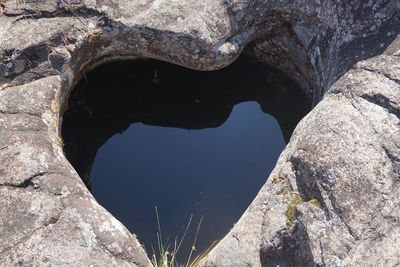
(191, 142)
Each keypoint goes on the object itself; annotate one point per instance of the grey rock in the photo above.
(345, 155)
(331, 199)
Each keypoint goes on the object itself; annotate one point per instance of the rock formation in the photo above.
(332, 198)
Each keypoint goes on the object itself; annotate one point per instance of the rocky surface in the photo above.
(332, 198)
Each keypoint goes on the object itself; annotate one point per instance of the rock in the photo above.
(331, 200)
(343, 155)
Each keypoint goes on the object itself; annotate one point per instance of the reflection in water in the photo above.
(213, 173)
(212, 155)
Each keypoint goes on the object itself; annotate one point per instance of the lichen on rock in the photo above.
(290, 212)
(344, 55)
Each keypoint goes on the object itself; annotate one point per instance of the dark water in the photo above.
(213, 173)
(193, 142)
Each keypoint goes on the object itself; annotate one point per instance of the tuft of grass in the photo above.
(167, 252)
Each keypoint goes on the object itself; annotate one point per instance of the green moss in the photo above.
(290, 212)
(314, 202)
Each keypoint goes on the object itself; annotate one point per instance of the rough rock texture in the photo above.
(332, 198)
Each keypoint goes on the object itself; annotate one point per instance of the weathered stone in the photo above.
(343, 156)
(349, 162)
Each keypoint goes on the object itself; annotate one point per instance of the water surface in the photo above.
(214, 172)
(192, 142)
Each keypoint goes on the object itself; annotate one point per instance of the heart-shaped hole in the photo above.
(214, 172)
